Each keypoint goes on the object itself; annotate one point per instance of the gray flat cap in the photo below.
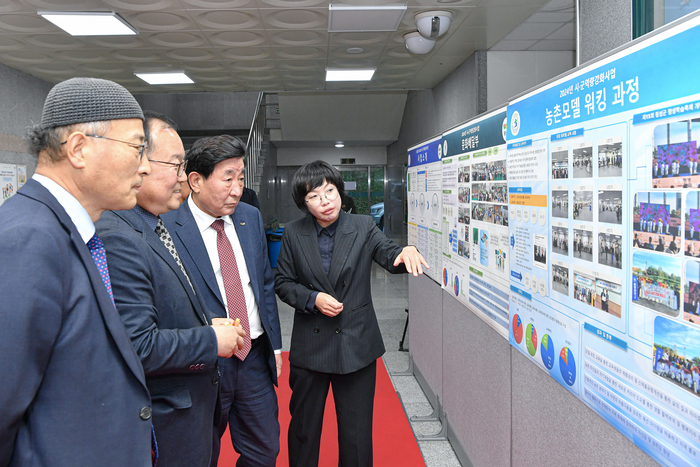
(82, 100)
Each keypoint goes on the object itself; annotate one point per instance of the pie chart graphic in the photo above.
(531, 339)
(547, 351)
(517, 329)
(444, 277)
(567, 366)
(456, 285)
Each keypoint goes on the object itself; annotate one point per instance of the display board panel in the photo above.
(475, 217)
(424, 187)
(8, 181)
(605, 284)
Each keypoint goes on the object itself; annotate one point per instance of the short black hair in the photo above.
(311, 176)
(205, 153)
(150, 119)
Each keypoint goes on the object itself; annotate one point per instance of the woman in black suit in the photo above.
(323, 272)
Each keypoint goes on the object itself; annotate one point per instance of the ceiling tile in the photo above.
(367, 52)
(566, 32)
(143, 5)
(228, 19)
(160, 21)
(208, 66)
(293, 4)
(310, 18)
(513, 45)
(177, 39)
(137, 55)
(117, 42)
(299, 65)
(533, 31)
(218, 4)
(54, 41)
(358, 39)
(301, 53)
(8, 43)
(27, 23)
(298, 38)
(346, 63)
(247, 53)
(547, 17)
(83, 55)
(554, 45)
(192, 53)
(237, 38)
(253, 65)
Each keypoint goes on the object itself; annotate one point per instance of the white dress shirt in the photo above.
(204, 222)
(75, 210)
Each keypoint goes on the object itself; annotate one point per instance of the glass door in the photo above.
(365, 185)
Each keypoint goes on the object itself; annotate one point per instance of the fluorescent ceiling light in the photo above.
(339, 144)
(349, 75)
(165, 78)
(86, 23)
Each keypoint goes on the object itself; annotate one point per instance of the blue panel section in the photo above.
(425, 153)
(490, 287)
(520, 189)
(520, 292)
(605, 335)
(520, 144)
(567, 134)
(631, 82)
(472, 137)
(672, 111)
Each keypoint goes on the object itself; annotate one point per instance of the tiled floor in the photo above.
(390, 297)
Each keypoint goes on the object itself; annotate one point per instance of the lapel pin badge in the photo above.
(242, 223)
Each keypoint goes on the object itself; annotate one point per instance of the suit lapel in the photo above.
(188, 234)
(110, 316)
(244, 229)
(308, 239)
(345, 238)
(153, 241)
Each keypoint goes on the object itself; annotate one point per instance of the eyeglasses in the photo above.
(315, 201)
(140, 147)
(180, 166)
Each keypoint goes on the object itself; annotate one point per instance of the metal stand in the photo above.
(408, 372)
(440, 435)
(433, 417)
(403, 338)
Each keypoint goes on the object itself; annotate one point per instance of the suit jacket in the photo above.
(72, 389)
(168, 329)
(351, 340)
(249, 227)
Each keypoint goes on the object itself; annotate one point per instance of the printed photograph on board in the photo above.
(583, 205)
(691, 292)
(657, 221)
(610, 250)
(675, 155)
(692, 224)
(560, 203)
(656, 282)
(560, 278)
(610, 157)
(560, 240)
(583, 160)
(676, 354)
(560, 162)
(610, 206)
(583, 244)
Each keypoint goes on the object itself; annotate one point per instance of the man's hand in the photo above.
(228, 336)
(328, 305)
(278, 363)
(412, 259)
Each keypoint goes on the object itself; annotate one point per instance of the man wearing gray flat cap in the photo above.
(72, 391)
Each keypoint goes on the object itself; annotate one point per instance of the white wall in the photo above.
(301, 156)
(510, 73)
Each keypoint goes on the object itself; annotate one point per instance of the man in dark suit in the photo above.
(169, 328)
(323, 272)
(72, 389)
(222, 242)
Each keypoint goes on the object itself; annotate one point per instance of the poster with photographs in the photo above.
(475, 267)
(8, 181)
(610, 151)
(21, 175)
(425, 207)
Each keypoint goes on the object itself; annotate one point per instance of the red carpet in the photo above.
(394, 443)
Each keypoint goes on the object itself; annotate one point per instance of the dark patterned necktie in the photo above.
(167, 240)
(235, 298)
(99, 256)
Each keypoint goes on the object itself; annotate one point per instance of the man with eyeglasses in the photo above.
(174, 335)
(323, 272)
(72, 389)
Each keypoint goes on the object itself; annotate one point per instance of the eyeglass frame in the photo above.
(180, 166)
(141, 147)
(323, 195)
